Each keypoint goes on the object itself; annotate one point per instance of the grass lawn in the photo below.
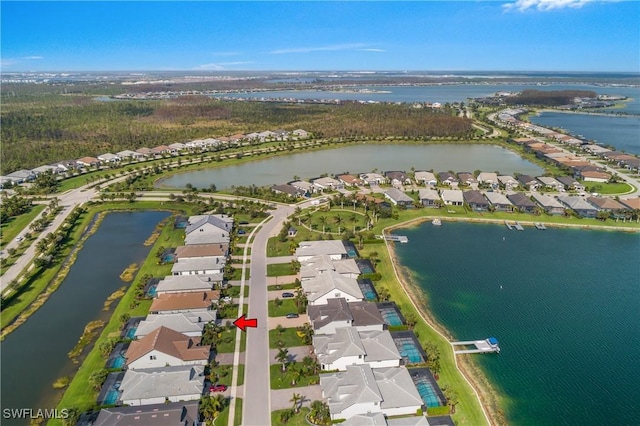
(290, 286)
(225, 374)
(13, 226)
(234, 291)
(288, 306)
(282, 380)
(237, 274)
(336, 219)
(297, 420)
(227, 343)
(608, 188)
(279, 269)
(288, 337)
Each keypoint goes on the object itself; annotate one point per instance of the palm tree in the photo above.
(206, 408)
(320, 413)
(338, 219)
(295, 375)
(283, 357)
(308, 333)
(353, 219)
(296, 399)
(323, 222)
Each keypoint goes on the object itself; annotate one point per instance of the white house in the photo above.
(199, 265)
(333, 248)
(489, 178)
(317, 265)
(188, 323)
(337, 313)
(373, 178)
(109, 158)
(426, 178)
(348, 346)
(158, 385)
(331, 285)
(452, 197)
(327, 184)
(186, 283)
(166, 347)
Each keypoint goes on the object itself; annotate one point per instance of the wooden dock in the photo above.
(486, 346)
(396, 238)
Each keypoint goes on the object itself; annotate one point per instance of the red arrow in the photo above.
(242, 323)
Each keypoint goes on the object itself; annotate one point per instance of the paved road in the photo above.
(256, 409)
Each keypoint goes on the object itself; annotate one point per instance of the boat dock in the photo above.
(518, 226)
(512, 226)
(486, 346)
(396, 238)
(540, 226)
(508, 225)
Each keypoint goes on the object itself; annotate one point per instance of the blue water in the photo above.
(370, 295)
(564, 304)
(152, 291)
(391, 317)
(169, 258)
(621, 132)
(409, 350)
(117, 362)
(131, 333)
(111, 398)
(428, 394)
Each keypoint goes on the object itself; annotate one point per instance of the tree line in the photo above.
(548, 97)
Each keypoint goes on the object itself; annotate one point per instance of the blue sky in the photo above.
(543, 35)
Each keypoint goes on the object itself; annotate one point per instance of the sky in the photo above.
(520, 35)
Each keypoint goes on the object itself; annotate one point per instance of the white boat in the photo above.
(436, 222)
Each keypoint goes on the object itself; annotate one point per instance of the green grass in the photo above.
(13, 226)
(288, 337)
(290, 286)
(282, 380)
(237, 274)
(228, 344)
(237, 420)
(234, 291)
(225, 374)
(297, 420)
(608, 188)
(288, 306)
(279, 269)
(350, 219)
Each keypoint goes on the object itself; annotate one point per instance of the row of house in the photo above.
(165, 362)
(366, 375)
(144, 153)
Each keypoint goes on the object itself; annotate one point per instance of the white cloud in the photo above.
(371, 50)
(10, 62)
(545, 5)
(349, 46)
(219, 66)
(31, 58)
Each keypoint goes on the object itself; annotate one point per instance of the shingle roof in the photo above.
(162, 382)
(165, 414)
(328, 282)
(605, 203)
(220, 221)
(184, 301)
(168, 342)
(313, 248)
(202, 250)
(520, 200)
(475, 197)
(428, 194)
(187, 282)
(198, 264)
(183, 322)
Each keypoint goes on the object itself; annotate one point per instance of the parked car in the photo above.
(286, 295)
(218, 388)
(292, 315)
(242, 232)
(244, 222)
(19, 238)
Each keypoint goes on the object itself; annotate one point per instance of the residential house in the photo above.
(45, 169)
(129, 154)
(397, 178)
(208, 229)
(161, 149)
(522, 202)
(109, 158)
(336, 313)
(281, 134)
(595, 176)
(361, 390)
(499, 202)
(468, 179)
(160, 385)
(287, 189)
(580, 170)
(187, 323)
(570, 183)
(21, 176)
(596, 149)
(164, 414)
(266, 135)
(508, 182)
(301, 134)
(398, 197)
(202, 250)
(87, 161)
(327, 184)
(350, 180)
(429, 197)
(199, 265)
(475, 200)
(551, 184)
(372, 179)
(304, 187)
(348, 346)
(448, 178)
(631, 203)
(333, 248)
(578, 205)
(452, 197)
(331, 285)
(549, 204)
(145, 152)
(173, 303)
(607, 205)
(528, 182)
(320, 264)
(165, 347)
(371, 419)
(177, 147)
(489, 178)
(187, 283)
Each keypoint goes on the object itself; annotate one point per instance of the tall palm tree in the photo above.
(323, 222)
(282, 357)
(206, 408)
(353, 219)
(338, 219)
(295, 375)
(296, 399)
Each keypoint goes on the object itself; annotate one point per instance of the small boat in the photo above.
(436, 222)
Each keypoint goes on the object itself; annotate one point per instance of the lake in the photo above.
(35, 354)
(356, 159)
(563, 303)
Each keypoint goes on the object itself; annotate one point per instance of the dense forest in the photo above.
(548, 97)
(37, 130)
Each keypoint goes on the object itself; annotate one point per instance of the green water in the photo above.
(565, 305)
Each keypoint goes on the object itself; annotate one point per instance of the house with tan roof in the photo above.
(159, 385)
(549, 204)
(166, 347)
(425, 178)
(350, 180)
(87, 161)
(172, 303)
(429, 197)
(202, 250)
(595, 176)
(606, 204)
(631, 203)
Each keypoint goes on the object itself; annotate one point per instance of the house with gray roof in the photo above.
(449, 179)
(522, 202)
(158, 385)
(398, 197)
(348, 346)
(337, 313)
(475, 200)
(130, 154)
(327, 184)
(467, 179)
(529, 182)
(368, 419)
(397, 178)
(186, 283)
(549, 204)
(570, 183)
(287, 189)
(44, 169)
(164, 414)
(508, 182)
(452, 197)
(429, 197)
(21, 176)
(578, 205)
(373, 178)
(109, 158)
(199, 265)
(361, 389)
(320, 264)
(333, 248)
(206, 222)
(304, 186)
(425, 178)
(331, 285)
(187, 323)
(489, 178)
(551, 183)
(499, 202)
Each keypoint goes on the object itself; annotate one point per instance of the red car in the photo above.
(218, 388)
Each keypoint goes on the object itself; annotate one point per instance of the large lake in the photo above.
(564, 304)
(35, 354)
(357, 159)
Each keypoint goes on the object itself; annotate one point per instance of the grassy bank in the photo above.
(13, 226)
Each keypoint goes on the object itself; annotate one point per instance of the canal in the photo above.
(35, 354)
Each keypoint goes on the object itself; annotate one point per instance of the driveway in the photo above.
(284, 279)
(281, 398)
(280, 259)
(277, 294)
(288, 322)
(227, 358)
(296, 354)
